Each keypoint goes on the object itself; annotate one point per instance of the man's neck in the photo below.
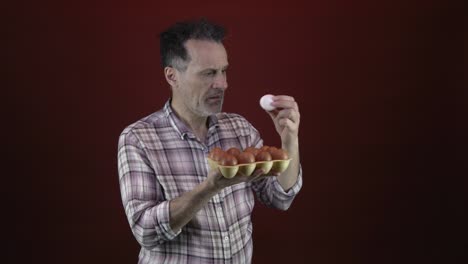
(197, 124)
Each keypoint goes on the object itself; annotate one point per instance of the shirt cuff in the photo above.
(162, 220)
(293, 190)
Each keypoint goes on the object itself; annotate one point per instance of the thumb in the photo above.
(273, 113)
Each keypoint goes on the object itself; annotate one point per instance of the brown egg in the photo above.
(214, 150)
(279, 154)
(246, 157)
(272, 149)
(228, 160)
(263, 156)
(234, 151)
(264, 148)
(218, 155)
(252, 150)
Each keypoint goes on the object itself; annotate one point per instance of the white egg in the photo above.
(265, 102)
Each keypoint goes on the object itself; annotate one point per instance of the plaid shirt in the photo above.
(159, 159)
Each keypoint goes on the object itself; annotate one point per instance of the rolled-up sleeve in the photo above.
(142, 196)
(270, 192)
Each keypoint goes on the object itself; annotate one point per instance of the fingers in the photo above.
(286, 105)
(285, 108)
(285, 101)
(261, 175)
(256, 174)
(283, 97)
(273, 113)
(286, 122)
(240, 177)
(286, 115)
(216, 173)
(289, 114)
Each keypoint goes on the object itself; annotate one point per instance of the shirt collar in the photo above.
(180, 126)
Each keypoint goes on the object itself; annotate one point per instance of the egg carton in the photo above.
(277, 166)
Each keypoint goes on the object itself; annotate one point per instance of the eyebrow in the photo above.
(213, 69)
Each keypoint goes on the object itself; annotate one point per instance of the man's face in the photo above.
(201, 86)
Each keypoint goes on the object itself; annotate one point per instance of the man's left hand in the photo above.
(286, 118)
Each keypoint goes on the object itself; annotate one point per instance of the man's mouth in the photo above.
(215, 97)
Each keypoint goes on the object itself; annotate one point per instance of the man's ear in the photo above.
(171, 76)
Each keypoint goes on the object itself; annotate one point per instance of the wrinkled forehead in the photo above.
(206, 54)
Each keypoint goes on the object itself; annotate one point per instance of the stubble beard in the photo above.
(211, 108)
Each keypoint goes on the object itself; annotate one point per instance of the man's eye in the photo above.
(210, 73)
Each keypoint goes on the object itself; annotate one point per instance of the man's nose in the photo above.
(221, 82)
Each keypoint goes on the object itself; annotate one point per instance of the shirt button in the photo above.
(226, 238)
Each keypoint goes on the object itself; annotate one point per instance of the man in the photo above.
(178, 209)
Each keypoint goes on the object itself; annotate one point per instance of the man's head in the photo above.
(195, 63)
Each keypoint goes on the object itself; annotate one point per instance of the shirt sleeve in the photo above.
(269, 190)
(142, 196)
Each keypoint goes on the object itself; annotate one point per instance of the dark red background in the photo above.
(381, 93)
